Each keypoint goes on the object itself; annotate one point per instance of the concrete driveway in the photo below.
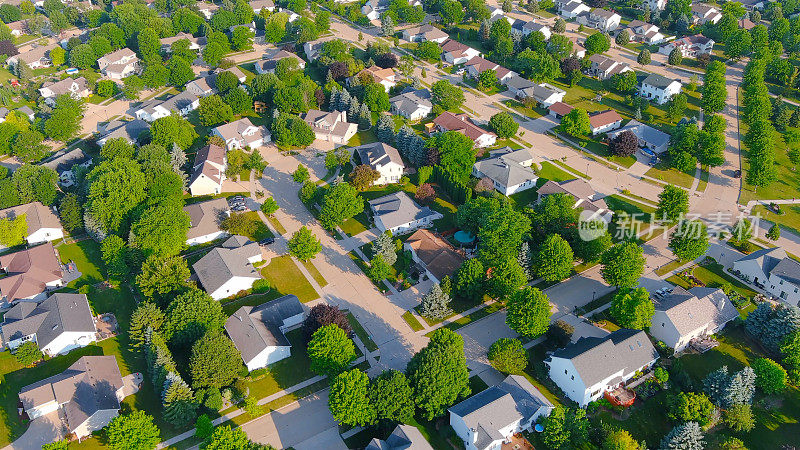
(42, 430)
(480, 335)
(577, 291)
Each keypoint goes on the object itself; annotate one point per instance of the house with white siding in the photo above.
(773, 271)
(685, 315)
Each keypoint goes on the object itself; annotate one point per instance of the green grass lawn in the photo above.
(259, 229)
(412, 321)
(277, 225)
(647, 421)
(714, 275)
(787, 184)
(466, 320)
(670, 266)
(663, 172)
(355, 225)
(312, 269)
(284, 276)
(87, 256)
(524, 110)
(552, 172)
(363, 137)
(789, 219)
(361, 333)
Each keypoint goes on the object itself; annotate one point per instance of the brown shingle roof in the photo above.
(29, 271)
(461, 123)
(439, 257)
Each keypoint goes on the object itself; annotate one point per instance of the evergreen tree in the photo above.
(525, 259)
(387, 25)
(774, 233)
(715, 385)
(384, 245)
(344, 101)
(353, 108)
(483, 31)
(687, 436)
(180, 407)
(384, 130)
(364, 117)
(741, 388)
(434, 303)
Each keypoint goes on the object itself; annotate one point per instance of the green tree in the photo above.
(117, 148)
(391, 396)
(434, 303)
(554, 259)
(241, 38)
(304, 245)
(487, 80)
(675, 57)
(632, 308)
(349, 399)
(447, 95)
(64, 122)
(114, 253)
(688, 406)
(106, 88)
(180, 406)
(82, 56)
(339, 203)
(774, 232)
(269, 207)
(180, 71)
(173, 129)
(673, 203)
(438, 373)
(528, 312)
(28, 354)
(35, 183)
(191, 315)
(133, 431)
(301, 174)
(690, 240)
(507, 277)
(115, 188)
(576, 123)
(28, 146)
(508, 356)
(770, 376)
(622, 265)
(71, 213)
(644, 57)
(162, 276)
(623, 38)
(214, 361)
(227, 438)
(620, 440)
(203, 427)
(376, 98)
(147, 315)
(161, 229)
(469, 279)
(330, 350)
(455, 153)
(13, 230)
(597, 43)
(503, 124)
(739, 418)
(149, 45)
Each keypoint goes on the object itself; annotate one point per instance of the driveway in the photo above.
(42, 430)
(577, 291)
(480, 335)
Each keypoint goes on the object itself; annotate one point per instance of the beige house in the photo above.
(208, 172)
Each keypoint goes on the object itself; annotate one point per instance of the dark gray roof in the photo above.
(129, 130)
(378, 154)
(659, 81)
(597, 358)
(506, 168)
(253, 329)
(223, 263)
(398, 209)
(205, 217)
(65, 161)
(644, 132)
(410, 99)
(768, 258)
(57, 314)
(788, 269)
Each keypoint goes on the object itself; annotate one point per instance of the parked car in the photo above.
(267, 241)
(737, 173)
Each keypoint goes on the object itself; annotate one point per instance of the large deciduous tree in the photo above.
(438, 373)
(632, 308)
(304, 245)
(622, 265)
(214, 361)
(508, 356)
(528, 312)
(330, 350)
(340, 203)
(554, 259)
(349, 400)
(134, 431)
(392, 397)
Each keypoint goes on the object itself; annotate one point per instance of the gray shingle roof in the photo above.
(205, 217)
(65, 161)
(378, 154)
(410, 99)
(223, 263)
(404, 437)
(57, 314)
(398, 209)
(659, 81)
(598, 358)
(696, 308)
(505, 170)
(788, 269)
(767, 258)
(253, 329)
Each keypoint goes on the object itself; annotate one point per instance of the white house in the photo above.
(509, 170)
(703, 13)
(522, 28)
(268, 65)
(690, 46)
(489, 419)
(603, 67)
(645, 32)
(545, 94)
(773, 271)
(588, 368)
(403, 437)
(605, 121)
(654, 5)
(64, 162)
(477, 65)
(650, 138)
(413, 104)
(685, 315)
(42, 224)
(60, 323)
(425, 33)
(228, 270)
(205, 218)
(260, 5)
(313, 48)
(600, 19)
(76, 88)
(570, 9)
(242, 133)
(195, 43)
(119, 64)
(330, 126)
(448, 121)
(586, 198)
(454, 52)
(659, 89)
(182, 104)
(399, 214)
(385, 77)
(208, 171)
(201, 87)
(258, 332)
(438, 258)
(382, 158)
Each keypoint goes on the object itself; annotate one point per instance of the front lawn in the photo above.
(789, 219)
(663, 172)
(260, 230)
(284, 277)
(356, 225)
(713, 275)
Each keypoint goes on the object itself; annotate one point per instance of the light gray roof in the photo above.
(36, 214)
(404, 437)
(596, 358)
(696, 308)
(520, 83)
(378, 154)
(514, 399)
(398, 209)
(644, 132)
(66, 160)
(255, 328)
(767, 258)
(26, 110)
(57, 314)
(410, 99)
(223, 263)
(65, 86)
(788, 269)
(506, 168)
(129, 130)
(175, 103)
(205, 217)
(87, 386)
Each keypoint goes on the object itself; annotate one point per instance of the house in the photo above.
(489, 419)
(208, 171)
(119, 64)
(30, 273)
(654, 5)
(76, 88)
(383, 158)
(258, 332)
(703, 13)
(313, 48)
(496, 14)
(578, 50)
(413, 104)
(605, 121)
(545, 94)
(36, 57)
(771, 270)
(195, 43)
(434, 255)
(448, 121)
(228, 270)
(18, 28)
(586, 198)
(261, 5)
(207, 9)
(683, 316)
(399, 214)
(601, 19)
(477, 65)
(690, 46)
(87, 395)
(645, 32)
(60, 323)
(570, 9)
(454, 52)
(42, 224)
(242, 133)
(64, 163)
(522, 29)
(268, 65)
(659, 88)
(425, 33)
(330, 126)
(559, 110)
(375, 74)
(182, 103)
(201, 87)
(128, 130)
(27, 111)
(603, 67)
(234, 70)
(650, 138)
(587, 369)
(509, 170)
(746, 23)
(403, 437)
(205, 218)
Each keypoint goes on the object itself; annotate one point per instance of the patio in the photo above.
(620, 397)
(703, 344)
(518, 442)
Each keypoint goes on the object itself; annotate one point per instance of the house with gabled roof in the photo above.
(523, 28)
(382, 158)
(398, 213)
(42, 224)
(454, 52)
(119, 64)
(375, 74)
(586, 198)
(182, 103)
(509, 170)
(463, 124)
(30, 273)
(570, 9)
(259, 332)
(601, 19)
(35, 57)
(261, 5)
(201, 87)
(228, 269)
(592, 366)
(195, 43)
(659, 89)
(604, 121)
(403, 437)
(690, 46)
(128, 130)
(413, 104)
(205, 218)
(313, 48)
(545, 94)
(604, 67)
(242, 133)
(703, 13)
(63, 163)
(654, 5)
(645, 32)
(425, 33)
(559, 109)
(60, 323)
(489, 419)
(686, 315)
(434, 255)
(76, 88)
(650, 138)
(268, 64)
(208, 171)
(773, 271)
(330, 126)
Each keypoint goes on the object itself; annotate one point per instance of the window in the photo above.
(572, 377)
(565, 371)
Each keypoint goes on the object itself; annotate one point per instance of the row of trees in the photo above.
(760, 137)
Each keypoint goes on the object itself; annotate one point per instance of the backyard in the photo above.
(284, 277)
